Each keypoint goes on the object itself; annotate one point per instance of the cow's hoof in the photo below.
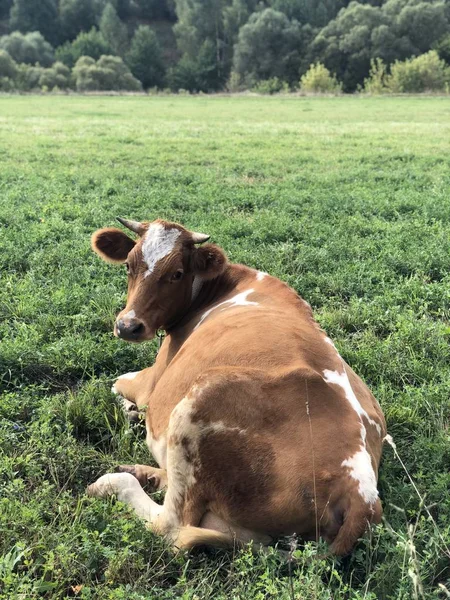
(130, 409)
(150, 478)
(111, 484)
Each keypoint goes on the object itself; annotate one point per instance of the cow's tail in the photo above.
(356, 519)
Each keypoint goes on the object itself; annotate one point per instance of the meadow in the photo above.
(346, 199)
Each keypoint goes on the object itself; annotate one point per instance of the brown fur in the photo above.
(259, 435)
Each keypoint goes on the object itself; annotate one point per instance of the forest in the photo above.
(225, 45)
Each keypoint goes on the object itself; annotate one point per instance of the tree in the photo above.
(200, 21)
(269, 45)
(423, 23)
(199, 75)
(113, 30)
(316, 13)
(78, 15)
(92, 43)
(144, 57)
(5, 7)
(108, 73)
(393, 31)
(442, 47)
(33, 15)
(28, 48)
(156, 9)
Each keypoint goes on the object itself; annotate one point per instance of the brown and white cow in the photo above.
(259, 427)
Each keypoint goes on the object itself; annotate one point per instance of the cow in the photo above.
(258, 426)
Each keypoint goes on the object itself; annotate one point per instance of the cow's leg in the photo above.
(185, 503)
(127, 489)
(150, 478)
(130, 389)
(168, 518)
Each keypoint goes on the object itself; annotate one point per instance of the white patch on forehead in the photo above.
(238, 300)
(361, 470)
(260, 275)
(343, 381)
(158, 242)
(129, 315)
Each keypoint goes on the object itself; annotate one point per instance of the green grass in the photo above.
(346, 199)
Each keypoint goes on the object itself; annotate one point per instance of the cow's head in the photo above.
(165, 268)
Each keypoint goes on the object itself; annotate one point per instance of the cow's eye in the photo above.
(128, 267)
(177, 275)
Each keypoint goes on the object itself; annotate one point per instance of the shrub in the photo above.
(90, 43)
(425, 73)
(30, 48)
(319, 79)
(28, 77)
(6, 84)
(108, 73)
(8, 67)
(376, 82)
(57, 76)
(271, 86)
(234, 83)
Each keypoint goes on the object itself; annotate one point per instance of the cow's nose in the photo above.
(130, 329)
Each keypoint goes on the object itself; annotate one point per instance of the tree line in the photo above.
(212, 45)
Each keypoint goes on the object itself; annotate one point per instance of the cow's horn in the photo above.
(135, 226)
(199, 238)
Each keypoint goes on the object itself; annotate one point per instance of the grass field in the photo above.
(346, 199)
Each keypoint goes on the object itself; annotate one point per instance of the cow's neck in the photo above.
(206, 293)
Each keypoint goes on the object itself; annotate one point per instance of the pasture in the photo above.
(346, 199)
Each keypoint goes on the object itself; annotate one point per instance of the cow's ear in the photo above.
(209, 261)
(112, 244)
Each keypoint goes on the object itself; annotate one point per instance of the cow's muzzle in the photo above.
(131, 330)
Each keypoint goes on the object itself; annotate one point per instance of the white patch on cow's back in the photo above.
(329, 341)
(260, 275)
(238, 300)
(343, 381)
(158, 242)
(360, 466)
